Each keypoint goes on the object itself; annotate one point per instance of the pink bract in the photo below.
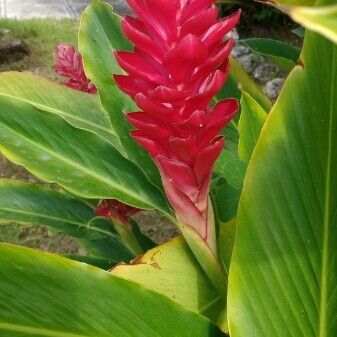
(179, 63)
(68, 64)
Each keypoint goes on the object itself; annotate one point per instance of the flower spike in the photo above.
(68, 64)
(180, 61)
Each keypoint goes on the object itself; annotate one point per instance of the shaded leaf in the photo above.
(231, 168)
(143, 240)
(278, 52)
(299, 31)
(29, 204)
(98, 262)
(225, 199)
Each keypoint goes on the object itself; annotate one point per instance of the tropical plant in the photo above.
(140, 122)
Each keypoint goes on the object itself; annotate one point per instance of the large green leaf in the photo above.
(25, 203)
(280, 53)
(99, 36)
(318, 19)
(79, 161)
(283, 278)
(81, 110)
(48, 296)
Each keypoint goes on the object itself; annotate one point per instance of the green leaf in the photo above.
(283, 278)
(251, 122)
(81, 110)
(95, 261)
(25, 203)
(231, 133)
(229, 90)
(322, 20)
(99, 36)
(299, 31)
(48, 296)
(280, 53)
(79, 161)
(231, 168)
(246, 83)
(143, 240)
(171, 269)
(225, 199)
(102, 241)
(226, 243)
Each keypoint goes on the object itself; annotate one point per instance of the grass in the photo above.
(42, 36)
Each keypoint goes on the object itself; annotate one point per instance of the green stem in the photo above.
(206, 251)
(128, 238)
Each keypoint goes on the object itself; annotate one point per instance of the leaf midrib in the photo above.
(37, 331)
(62, 113)
(79, 168)
(326, 220)
(39, 215)
(210, 304)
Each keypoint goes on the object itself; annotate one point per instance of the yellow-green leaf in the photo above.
(251, 122)
(283, 276)
(322, 20)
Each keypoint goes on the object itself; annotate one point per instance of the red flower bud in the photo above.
(116, 211)
(179, 62)
(68, 63)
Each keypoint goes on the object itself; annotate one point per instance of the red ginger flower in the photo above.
(68, 63)
(180, 61)
(116, 210)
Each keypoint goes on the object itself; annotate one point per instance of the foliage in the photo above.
(271, 190)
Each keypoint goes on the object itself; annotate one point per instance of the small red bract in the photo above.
(68, 63)
(116, 211)
(180, 61)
